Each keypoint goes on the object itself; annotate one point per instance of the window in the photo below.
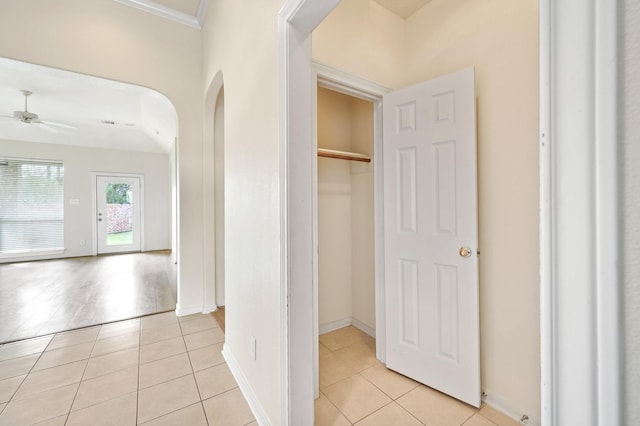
(31, 206)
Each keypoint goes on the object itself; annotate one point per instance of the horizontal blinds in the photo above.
(31, 206)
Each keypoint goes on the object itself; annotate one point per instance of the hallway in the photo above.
(49, 296)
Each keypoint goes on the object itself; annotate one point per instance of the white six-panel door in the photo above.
(430, 231)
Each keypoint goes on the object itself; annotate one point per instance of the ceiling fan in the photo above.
(33, 118)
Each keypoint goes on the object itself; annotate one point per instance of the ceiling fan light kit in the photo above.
(25, 116)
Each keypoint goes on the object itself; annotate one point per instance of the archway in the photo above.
(214, 295)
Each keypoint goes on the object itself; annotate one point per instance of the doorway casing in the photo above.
(339, 81)
(94, 179)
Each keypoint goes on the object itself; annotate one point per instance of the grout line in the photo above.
(81, 377)
(139, 368)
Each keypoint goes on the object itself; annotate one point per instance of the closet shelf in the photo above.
(343, 155)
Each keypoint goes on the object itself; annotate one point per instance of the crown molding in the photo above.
(168, 13)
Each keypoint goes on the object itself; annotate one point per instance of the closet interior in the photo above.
(346, 250)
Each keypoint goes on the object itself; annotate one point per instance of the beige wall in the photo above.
(110, 40)
(241, 41)
(631, 207)
(334, 211)
(500, 39)
(364, 39)
(345, 213)
(362, 216)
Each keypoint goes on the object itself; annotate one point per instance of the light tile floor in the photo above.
(357, 389)
(161, 370)
(155, 370)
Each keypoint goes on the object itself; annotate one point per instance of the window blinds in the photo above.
(31, 206)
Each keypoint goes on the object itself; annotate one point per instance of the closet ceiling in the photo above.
(403, 8)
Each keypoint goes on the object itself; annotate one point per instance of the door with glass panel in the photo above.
(118, 214)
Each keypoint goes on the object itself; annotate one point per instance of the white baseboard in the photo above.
(188, 310)
(207, 309)
(504, 406)
(245, 388)
(335, 325)
(364, 327)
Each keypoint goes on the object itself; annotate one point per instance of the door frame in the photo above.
(94, 211)
(339, 81)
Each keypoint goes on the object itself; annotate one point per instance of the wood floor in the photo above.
(49, 296)
(219, 316)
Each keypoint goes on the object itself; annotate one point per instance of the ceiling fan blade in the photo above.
(56, 124)
(2, 114)
(47, 127)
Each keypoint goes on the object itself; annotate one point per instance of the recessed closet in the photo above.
(346, 249)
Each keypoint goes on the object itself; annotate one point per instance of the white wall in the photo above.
(500, 39)
(241, 42)
(111, 40)
(79, 163)
(631, 208)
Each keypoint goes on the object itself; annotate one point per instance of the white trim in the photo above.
(245, 387)
(503, 405)
(20, 255)
(348, 84)
(168, 13)
(188, 310)
(202, 11)
(334, 325)
(296, 20)
(207, 309)
(579, 207)
(94, 212)
(345, 322)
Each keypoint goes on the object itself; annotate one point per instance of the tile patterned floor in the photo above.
(163, 370)
(357, 389)
(155, 370)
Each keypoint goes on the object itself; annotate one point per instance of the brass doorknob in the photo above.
(465, 252)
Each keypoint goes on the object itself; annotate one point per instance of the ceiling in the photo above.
(191, 12)
(106, 114)
(403, 8)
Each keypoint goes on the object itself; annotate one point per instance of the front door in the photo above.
(118, 214)
(431, 234)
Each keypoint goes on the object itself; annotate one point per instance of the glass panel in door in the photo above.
(118, 216)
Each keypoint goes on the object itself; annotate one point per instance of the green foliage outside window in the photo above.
(118, 193)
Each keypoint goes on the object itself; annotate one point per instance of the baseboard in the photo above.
(501, 404)
(209, 308)
(245, 388)
(188, 310)
(335, 325)
(363, 327)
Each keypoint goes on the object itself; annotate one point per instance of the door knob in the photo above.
(465, 252)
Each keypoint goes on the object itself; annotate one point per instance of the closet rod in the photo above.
(343, 155)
